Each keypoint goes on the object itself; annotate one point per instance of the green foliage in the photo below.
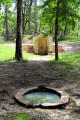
(12, 22)
(6, 1)
(68, 14)
(2, 22)
(44, 35)
(69, 39)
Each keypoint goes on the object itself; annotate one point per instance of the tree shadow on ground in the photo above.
(34, 73)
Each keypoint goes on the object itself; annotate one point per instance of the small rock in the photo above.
(12, 103)
(4, 108)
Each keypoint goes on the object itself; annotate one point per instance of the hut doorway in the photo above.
(43, 46)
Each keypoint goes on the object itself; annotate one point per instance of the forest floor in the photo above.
(14, 76)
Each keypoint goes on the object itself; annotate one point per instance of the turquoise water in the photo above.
(42, 97)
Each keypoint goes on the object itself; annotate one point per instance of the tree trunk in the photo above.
(52, 27)
(35, 16)
(29, 22)
(43, 26)
(6, 19)
(65, 30)
(18, 54)
(40, 26)
(78, 30)
(29, 18)
(23, 17)
(56, 31)
(23, 26)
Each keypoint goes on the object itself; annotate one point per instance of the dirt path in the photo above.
(71, 47)
(24, 75)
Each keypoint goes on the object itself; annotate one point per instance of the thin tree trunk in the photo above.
(52, 27)
(23, 17)
(6, 18)
(40, 26)
(56, 31)
(65, 30)
(23, 27)
(29, 19)
(18, 54)
(35, 16)
(78, 30)
(43, 26)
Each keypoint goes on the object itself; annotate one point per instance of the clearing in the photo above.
(14, 76)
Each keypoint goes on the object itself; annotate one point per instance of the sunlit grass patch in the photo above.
(6, 42)
(73, 59)
(68, 60)
(20, 117)
(29, 55)
(6, 53)
(68, 66)
(70, 39)
(28, 116)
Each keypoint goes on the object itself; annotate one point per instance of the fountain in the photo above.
(41, 96)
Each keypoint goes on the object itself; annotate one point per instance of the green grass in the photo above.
(6, 53)
(78, 43)
(27, 116)
(2, 90)
(70, 59)
(38, 73)
(67, 67)
(70, 39)
(11, 75)
(6, 42)
(20, 117)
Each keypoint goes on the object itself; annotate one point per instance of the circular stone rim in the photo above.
(19, 96)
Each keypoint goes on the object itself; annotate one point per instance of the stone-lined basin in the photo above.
(64, 97)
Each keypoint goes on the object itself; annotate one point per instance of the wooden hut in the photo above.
(42, 45)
